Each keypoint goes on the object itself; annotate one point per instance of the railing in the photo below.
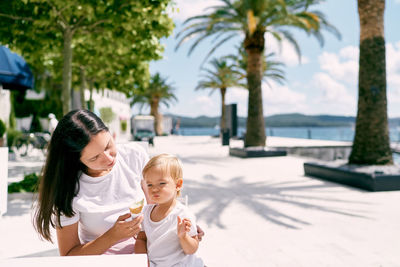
(23, 145)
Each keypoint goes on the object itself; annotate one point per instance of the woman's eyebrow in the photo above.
(101, 152)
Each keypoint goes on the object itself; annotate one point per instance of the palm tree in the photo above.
(159, 91)
(252, 19)
(271, 68)
(220, 76)
(371, 142)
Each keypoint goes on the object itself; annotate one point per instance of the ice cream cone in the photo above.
(136, 208)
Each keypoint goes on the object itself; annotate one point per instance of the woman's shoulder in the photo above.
(132, 150)
(131, 147)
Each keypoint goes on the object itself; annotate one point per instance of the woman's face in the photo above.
(99, 155)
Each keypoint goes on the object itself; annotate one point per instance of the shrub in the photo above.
(2, 128)
(124, 125)
(12, 134)
(28, 184)
(107, 115)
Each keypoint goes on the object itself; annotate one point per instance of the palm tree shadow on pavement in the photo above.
(206, 159)
(259, 198)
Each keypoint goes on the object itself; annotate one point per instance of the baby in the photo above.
(170, 233)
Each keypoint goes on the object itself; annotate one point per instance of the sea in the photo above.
(321, 133)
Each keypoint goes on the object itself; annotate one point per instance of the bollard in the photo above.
(225, 137)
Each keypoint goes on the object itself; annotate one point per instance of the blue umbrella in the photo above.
(15, 73)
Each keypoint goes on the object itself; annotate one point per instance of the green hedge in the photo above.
(12, 135)
(28, 184)
(41, 108)
(2, 128)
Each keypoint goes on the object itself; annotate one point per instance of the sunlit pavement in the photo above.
(257, 212)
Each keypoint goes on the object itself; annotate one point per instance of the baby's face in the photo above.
(161, 187)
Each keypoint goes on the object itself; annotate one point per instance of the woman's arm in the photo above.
(141, 243)
(69, 244)
(189, 244)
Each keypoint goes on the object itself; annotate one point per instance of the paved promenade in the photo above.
(257, 212)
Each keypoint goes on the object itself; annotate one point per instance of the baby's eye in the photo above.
(149, 185)
(163, 183)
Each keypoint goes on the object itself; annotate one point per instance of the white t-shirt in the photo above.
(101, 200)
(163, 247)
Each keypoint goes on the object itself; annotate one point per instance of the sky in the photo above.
(325, 82)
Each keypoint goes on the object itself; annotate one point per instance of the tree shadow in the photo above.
(17, 169)
(47, 253)
(206, 159)
(20, 205)
(259, 198)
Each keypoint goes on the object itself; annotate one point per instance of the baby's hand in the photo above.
(183, 227)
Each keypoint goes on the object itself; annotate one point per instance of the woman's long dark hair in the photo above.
(59, 182)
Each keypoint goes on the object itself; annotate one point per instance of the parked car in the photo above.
(143, 128)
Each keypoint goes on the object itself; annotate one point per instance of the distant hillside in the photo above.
(280, 120)
(301, 120)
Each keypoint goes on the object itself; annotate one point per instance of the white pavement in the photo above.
(258, 212)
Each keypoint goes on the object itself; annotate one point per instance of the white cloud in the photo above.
(393, 58)
(282, 99)
(184, 9)
(274, 100)
(240, 97)
(281, 94)
(206, 104)
(393, 72)
(337, 83)
(285, 52)
(332, 97)
(350, 53)
(342, 66)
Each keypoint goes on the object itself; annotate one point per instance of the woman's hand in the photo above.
(124, 229)
(183, 226)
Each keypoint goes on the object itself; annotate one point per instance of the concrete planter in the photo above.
(257, 152)
(44, 123)
(3, 179)
(374, 178)
(24, 124)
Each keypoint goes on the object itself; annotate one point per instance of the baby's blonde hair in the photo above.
(168, 164)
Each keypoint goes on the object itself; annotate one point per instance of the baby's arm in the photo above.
(140, 244)
(188, 243)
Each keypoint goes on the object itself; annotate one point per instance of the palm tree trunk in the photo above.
(67, 70)
(222, 123)
(157, 117)
(82, 88)
(91, 103)
(255, 126)
(371, 142)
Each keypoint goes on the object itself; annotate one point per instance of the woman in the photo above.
(87, 186)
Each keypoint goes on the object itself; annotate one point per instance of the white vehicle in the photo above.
(143, 128)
